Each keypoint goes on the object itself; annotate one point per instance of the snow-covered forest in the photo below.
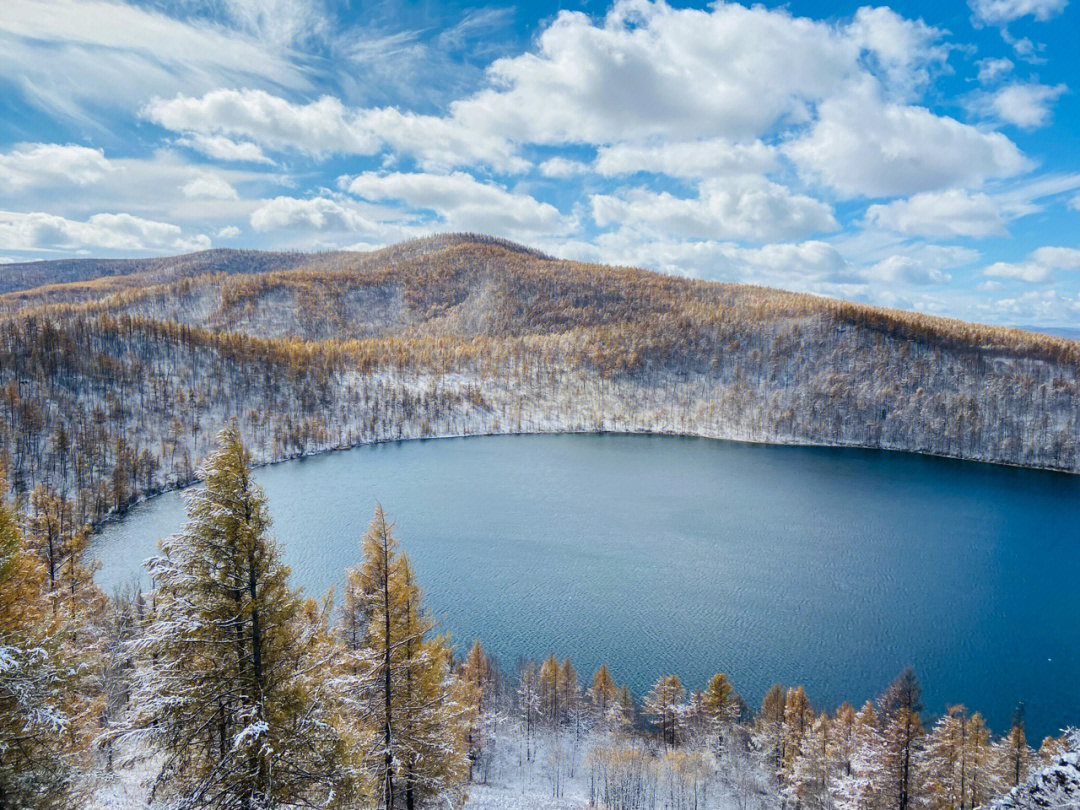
(226, 688)
(112, 388)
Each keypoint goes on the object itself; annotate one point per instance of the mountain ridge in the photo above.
(463, 335)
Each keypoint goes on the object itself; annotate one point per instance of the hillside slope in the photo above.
(458, 335)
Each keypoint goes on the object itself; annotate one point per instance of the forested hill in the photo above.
(114, 386)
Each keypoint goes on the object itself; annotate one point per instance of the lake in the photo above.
(833, 568)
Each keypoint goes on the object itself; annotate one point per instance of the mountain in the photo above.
(462, 334)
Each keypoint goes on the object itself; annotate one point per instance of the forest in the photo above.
(112, 388)
(225, 687)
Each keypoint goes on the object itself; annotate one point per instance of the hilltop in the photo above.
(461, 334)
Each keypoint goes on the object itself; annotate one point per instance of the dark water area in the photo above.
(831, 568)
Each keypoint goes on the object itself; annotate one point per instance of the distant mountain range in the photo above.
(463, 334)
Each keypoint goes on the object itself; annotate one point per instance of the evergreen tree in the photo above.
(230, 687)
(420, 709)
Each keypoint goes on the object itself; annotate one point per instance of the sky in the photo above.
(923, 155)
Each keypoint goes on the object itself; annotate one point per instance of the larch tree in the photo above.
(549, 690)
(862, 785)
(1015, 752)
(43, 713)
(814, 767)
(901, 726)
(602, 693)
(418, 707)
(769, 728)
(943, 762)
(229, 687)
(664, 706)
(478, 680)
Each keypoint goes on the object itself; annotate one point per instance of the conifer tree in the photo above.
(1017, 754)
(602, 693)
(549, 690)
(814, 767)
(43, 714)
(864, 785)
(476, 678)
(901, 725)
(418, 707)
(769, 730)
(664, 706)
(229, 688)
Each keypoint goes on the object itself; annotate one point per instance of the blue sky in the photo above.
(920, 155)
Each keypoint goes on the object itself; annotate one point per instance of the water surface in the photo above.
(833, 568)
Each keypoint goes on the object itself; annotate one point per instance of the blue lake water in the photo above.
(833, 568)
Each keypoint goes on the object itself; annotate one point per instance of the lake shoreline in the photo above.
(119, 515)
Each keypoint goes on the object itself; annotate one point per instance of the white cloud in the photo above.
(990, 70)
(690, 160)
(1025, 105)
(862, 146)
(42, 231)
(228, 232)
(209, 187)
(221, 148)
(36, 164)
(994, 12)
(562, 168)
(749, 208)
(953, 212)
(1036, 307)
(800, 266)
(326, 126)
(1074, 203)
(464, 203)
(318, 213)
(651, 71)
(1041, 265)
(901, 269)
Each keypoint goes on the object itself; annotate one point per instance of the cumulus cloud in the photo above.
(793, 265)
(1041, 265)
(209, 186)
(42, 231)
(649, 70)
(36, 164)
(1025, 105)
(221, 148)
(461, 202)
(749, 208)
(954, 212)
(901, 269)
(317, 213)
(562, 168)
(996, 12)
(688, 160)
(228, 232)
(863, 146)
(326, 126)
